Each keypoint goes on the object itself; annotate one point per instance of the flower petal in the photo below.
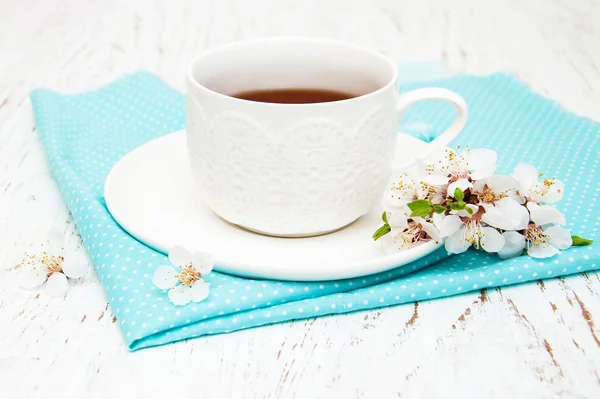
(463, 184)
(437, 160)
(164, 277)
(438, 219)
(74, 265)
(542, 251)
(501, 183)
(480, 157)
(437, 194)
(456, 244)
(400, 190)
(463, 212)
(57, 285)
(388, 244)
(397, 219)
(392, 201)
(32, 277)
(180, 295)
(559, 237)
(482, 162)
(506, 214)
(431, 230)
(545, 214)
(514, 243)
(203, 262)
(495, 217)
(200, 290)
(396, 231)
(555, 192)
(526, 175)
(482, 173)
(518, 213)
(517, 196)
(492, 240)
(479, 185)
(179, 256)
(436, 179)
(448, 225)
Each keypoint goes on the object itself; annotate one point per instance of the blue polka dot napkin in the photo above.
(86, 134)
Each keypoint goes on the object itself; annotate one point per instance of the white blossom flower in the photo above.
(186, 284)
(501, 211)
(401, 190)
(548, 191)
(448, 166)
(413, 232)
(493, 188)
(463, 230)
(410, 186)
(53, 266)
(436, 193)
(540, 242)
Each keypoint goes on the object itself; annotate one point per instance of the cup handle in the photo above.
(435, 93)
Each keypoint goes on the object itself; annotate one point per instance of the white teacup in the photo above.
(297, 169)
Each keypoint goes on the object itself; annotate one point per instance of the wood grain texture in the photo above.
(521, 342)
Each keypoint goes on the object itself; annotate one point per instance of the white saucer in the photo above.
(150, 193)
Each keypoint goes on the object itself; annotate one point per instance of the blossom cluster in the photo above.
(457, 197)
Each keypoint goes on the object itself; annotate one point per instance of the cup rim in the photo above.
(198, 58)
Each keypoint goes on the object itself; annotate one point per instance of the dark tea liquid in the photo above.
(294, 96)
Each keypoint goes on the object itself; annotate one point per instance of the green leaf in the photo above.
(383, 230)
(455, 206)
(469, 210)
(459, 195)
(580, 242)
(439, 209)
(384, 218)
(420, 208)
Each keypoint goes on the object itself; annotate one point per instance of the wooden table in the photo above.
(536, 340)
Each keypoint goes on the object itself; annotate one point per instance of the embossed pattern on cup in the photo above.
(314, 175)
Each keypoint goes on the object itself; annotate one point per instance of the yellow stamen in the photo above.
(545, 186)
(473, 232)
(188, 275)
(536, 236)
(410, 236)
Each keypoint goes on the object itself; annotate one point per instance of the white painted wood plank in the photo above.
(525, 341)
